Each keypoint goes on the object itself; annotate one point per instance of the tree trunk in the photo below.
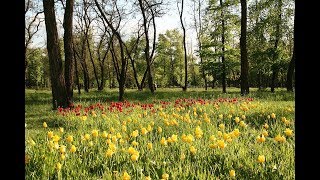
(68, 50)
(277, 39)
(184, 88)
(243, 48)
(59, 93)
(223, 49)
(92, 61)
(147, 48)
(76, 70)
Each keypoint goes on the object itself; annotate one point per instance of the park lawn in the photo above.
(201, 136)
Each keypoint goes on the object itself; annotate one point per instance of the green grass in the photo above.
(90, 162)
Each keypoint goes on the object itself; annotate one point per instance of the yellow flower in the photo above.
(273, 116)
(124, 128)
(144, 131)
(69, 138)
(286, 122)
(193, 150)
(174, 138)
(212, 138)
(73, 149)
(56, 138)
(149, 128)
(261, 159)
(62, 149)
(108, 141)
(163, 141)
(114, 139)
(261, 139)
(213, 146)
(266, 126)
(159, 129)
(135, 143)
(232, 173)
(83, 118)
(222, 126)
(134, 157)
(236, 132)
(61, 129)
(243, 117)
(237, 119)
(182, 156)
(56, 145)
(265, 133)
(62, 156)
(104, 134)
(148, 178)
(220, 116)
(149, 146)
(189, 138)
(220, 133)
(90, 143)
(243, 124)
(288, 132)
(221, 144)
(283, 119)
(135, 133)
(280, 138)
(268, 116)
(32, 142)
(113, 147)
(50, 134)
(59, 166)
(165, 176)
(229, 116)
(95, 133)
(87, 136)
(126, 176)
(109, 153)
(45, 125)
(119, 135)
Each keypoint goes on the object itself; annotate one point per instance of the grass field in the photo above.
(169, 135)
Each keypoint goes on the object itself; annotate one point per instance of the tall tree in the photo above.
(293, 59)
(59, 93)
(274, 67)
(68, 49)
(121, 75)
(243, 50)
(223, 49)
(198, 28)
(184, 88)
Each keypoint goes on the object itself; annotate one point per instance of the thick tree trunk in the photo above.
(59, 93)
(68, 50)
(223, 49)
(243, 49)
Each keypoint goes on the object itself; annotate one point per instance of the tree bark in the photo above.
(68, 50)
(59, 93)
(223, 50)
(76, 70)
(243, 49)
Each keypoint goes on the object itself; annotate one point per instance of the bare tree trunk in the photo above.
(92, 61)
(68, 50)
(243, 48)
(59, 93)
(147, 48)
(184, 88)
(223, 51)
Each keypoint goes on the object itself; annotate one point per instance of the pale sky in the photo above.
(168, 21)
